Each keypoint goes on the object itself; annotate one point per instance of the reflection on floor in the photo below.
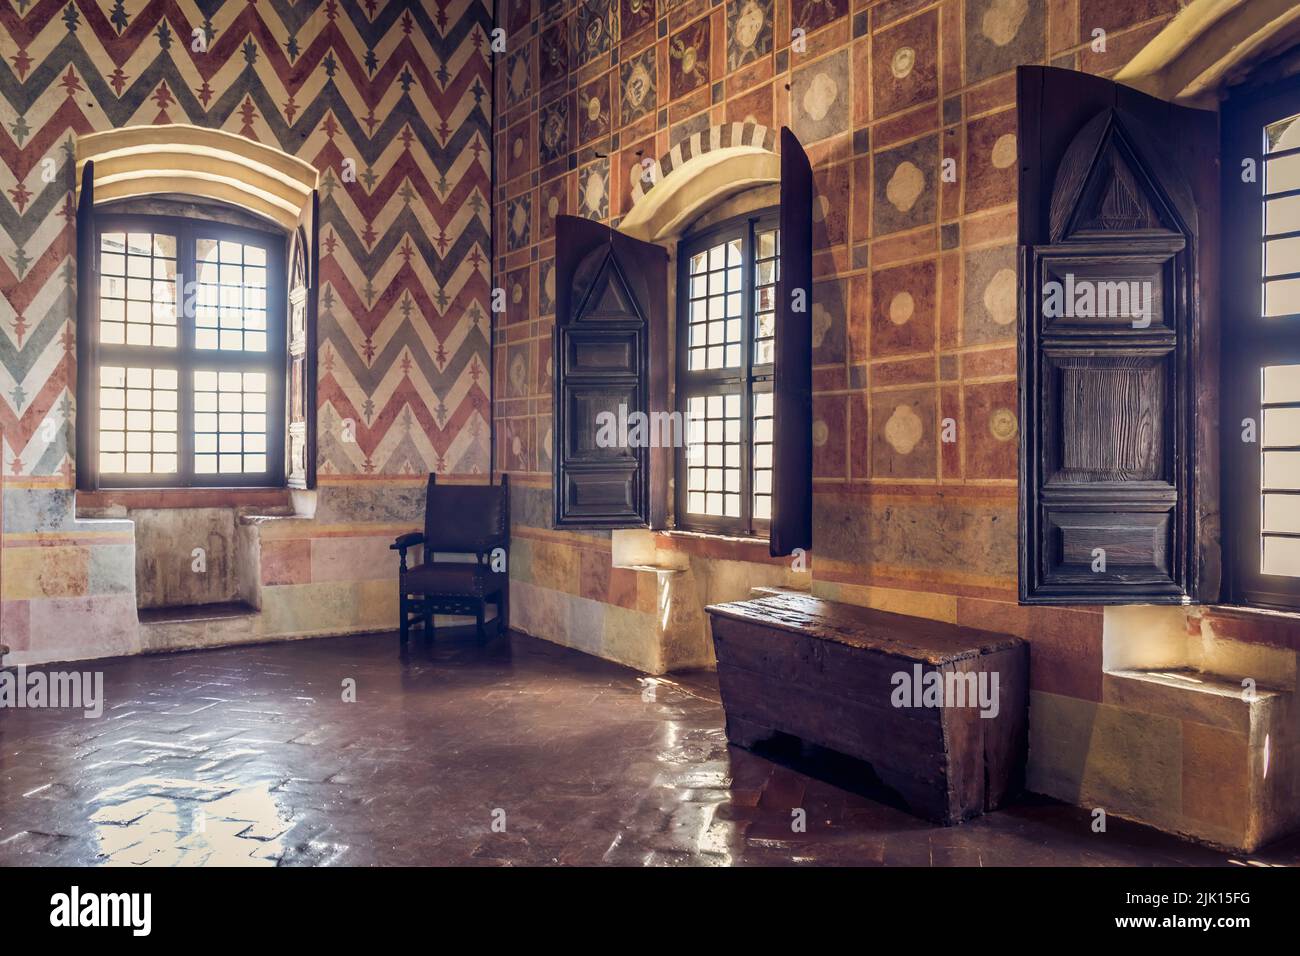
(517, 752)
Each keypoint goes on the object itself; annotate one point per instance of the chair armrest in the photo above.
(404, 541)
(408, 540)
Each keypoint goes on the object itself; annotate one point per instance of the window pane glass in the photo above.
(1282, 215)
(137, 289)
(1281, 556)
(1282, 513)
(1281, 428)
(1284, 134)
(229, 422)
(765, 276)
(1282, 255)
(713, 471)
(762, 464)
(137, 429)
(1282, 174)
(715, 308)
(1281, 384)
(1281, 469)
(231, 300)
(1282, 297)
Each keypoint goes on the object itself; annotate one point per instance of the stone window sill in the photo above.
(714, 536)
(1248, 613)
(166, 498)
(1190, 681)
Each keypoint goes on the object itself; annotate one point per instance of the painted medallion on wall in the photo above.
(636, 15)
(554, 64)
(596, 22)
(814, 14)
(593, 190)
(594, 115)
(688, 58)
(638, 83)
(519, 221)
(749, 31)
(518, 76)
(554, 130)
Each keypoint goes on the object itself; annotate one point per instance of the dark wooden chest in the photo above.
(938, 710)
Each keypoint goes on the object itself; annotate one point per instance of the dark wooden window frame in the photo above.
(746, 381)
(1249, 341)
(185, 358)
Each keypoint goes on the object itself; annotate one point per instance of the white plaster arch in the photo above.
(196, 161)
(696, 175)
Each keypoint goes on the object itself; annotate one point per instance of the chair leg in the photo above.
(503, 610)
(404, 625)
(428, 621)
(478, 617)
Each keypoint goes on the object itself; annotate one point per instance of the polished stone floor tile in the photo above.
(517, 752)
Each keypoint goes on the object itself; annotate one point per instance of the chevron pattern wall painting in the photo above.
(397, 91)
(401, 88)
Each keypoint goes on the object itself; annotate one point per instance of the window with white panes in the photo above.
(1261, 353)
(726, 315)
(1279, 384)
(190, 353)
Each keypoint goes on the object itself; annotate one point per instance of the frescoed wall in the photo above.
(907, 111)
(400, 92)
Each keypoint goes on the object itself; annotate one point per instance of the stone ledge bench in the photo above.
(891, 690)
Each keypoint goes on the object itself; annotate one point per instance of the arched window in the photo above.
(742, 372)
(196, 275)
(189, 377)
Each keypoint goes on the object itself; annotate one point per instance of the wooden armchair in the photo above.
(458, 519)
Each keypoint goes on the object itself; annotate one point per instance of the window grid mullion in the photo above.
(747, 392)
(185, 331)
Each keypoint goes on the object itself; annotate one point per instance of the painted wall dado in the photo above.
(402, 90)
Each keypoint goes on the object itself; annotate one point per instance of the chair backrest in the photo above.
(463, 519)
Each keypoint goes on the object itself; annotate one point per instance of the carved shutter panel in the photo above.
(1109, 303)
(611, 356)
(87, 463)
(300, 449)
(792, 378)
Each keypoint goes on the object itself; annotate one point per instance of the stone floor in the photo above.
(516, 752)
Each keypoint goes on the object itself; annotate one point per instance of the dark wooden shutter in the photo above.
(87, 463)
(792, 376)
(1112, 190)
(300, 448)
(611, 350)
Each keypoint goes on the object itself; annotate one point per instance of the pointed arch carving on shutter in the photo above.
(1103, 187)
